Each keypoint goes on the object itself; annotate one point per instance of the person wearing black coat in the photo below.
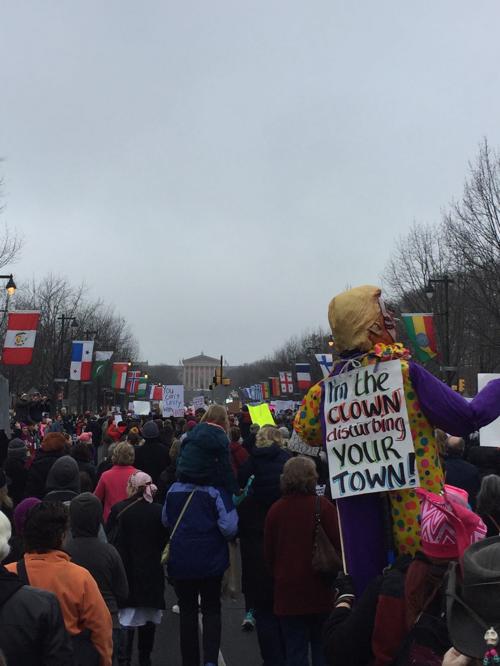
(15, 469)
(140, 538)
(53, 447)
(101, 559)
(32, 631)
(265, 463)
(152, 457)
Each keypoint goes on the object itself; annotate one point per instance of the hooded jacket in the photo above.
(152, 457)
(204, 458)
(266, 464)
(101, 559)
(39, 470)
(32, 631)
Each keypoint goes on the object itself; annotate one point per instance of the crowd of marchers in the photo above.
(99, 513)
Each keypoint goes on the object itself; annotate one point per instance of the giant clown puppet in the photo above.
(365, 335)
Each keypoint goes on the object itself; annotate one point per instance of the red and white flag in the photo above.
(20, 337)
(156, 393)
(286, 381)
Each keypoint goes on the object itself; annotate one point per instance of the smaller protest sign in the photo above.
(141, 407)
(173, 400)
(297, 445)
(261, 414)
(198, 402)
(368, 437)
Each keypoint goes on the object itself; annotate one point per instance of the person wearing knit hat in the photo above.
(63, 480)
(15, 469)
(448, 528)
(20, 516)
(152, 457)
(53, 447)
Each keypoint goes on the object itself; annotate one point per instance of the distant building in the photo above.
(198, 371)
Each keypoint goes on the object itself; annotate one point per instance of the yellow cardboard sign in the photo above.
(261, 414)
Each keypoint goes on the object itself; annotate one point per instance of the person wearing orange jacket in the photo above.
(46, 566)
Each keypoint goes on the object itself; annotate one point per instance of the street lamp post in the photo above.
(74, 324)
(445, 280)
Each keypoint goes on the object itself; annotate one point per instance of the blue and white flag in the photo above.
(325, 362)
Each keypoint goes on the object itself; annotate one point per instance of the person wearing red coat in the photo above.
(237, 452)
(302, 598)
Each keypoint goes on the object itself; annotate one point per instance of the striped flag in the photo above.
(81, 360)
(119, 378)
(142, 387)
(303, 372)
(266, 394)
(275, 386)
(422, 334)
(325, 363)
(20, 337)
(156, 392)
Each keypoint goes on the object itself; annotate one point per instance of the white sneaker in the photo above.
(176, 609)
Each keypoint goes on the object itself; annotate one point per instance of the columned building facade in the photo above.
(198, 371)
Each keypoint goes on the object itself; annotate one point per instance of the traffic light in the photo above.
(461, 385)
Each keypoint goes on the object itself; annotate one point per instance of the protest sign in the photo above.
(490, 434)
(297, 445)
(198, 402)
(141, 407)
(368, 437)
(173, 400)
(261, 414)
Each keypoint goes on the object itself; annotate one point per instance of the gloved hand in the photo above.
(238, 499)
(344, 589)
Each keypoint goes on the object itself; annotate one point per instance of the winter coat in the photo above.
(32, 631)
(39, 471)
(81, 602)
(266, 464)
(152, 457)
(141, 539)
(288, 547)
(204, 458)
(101, 559)
(17, 476)
(199, 546)
(462, 474)
(256, 581)
(112, 486)
(238, 456)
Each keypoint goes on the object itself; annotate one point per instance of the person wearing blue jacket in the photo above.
(201, 519)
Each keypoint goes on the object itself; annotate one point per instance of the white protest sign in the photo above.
(297, 445)
(368, 436)
(490, 434)
(173, 400)
(198, 402)
(141, 407)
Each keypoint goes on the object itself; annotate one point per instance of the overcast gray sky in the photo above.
(218, 170)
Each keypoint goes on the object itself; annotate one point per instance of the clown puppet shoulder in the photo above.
(365, 337)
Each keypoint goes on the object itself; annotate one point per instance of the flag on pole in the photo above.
(142, 387)
(133, 381)
(286, 381)
(303, 372)
(156, 392)
(422, 334)
(20, 337)
(101, 360)
(325, 363)
(265, 390)
(81, 360)
(119, 378)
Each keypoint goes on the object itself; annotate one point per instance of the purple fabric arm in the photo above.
(447, 410)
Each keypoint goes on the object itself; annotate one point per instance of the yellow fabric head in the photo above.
(351, 314)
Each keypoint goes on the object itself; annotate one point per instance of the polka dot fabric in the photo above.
(404, 504)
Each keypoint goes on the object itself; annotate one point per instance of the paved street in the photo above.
(238, 648)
